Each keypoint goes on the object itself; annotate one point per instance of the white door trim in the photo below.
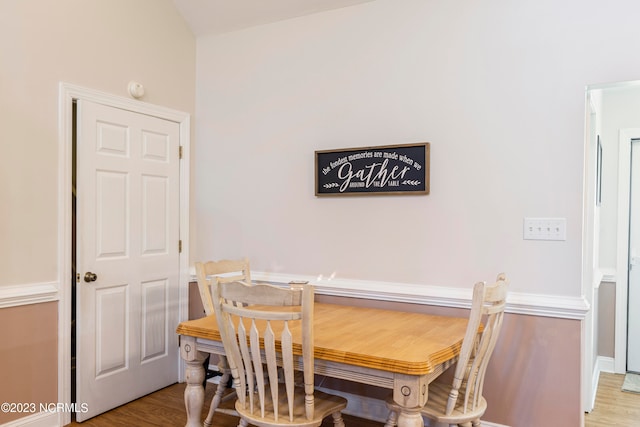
(67, 94)
(588, 249)
(624, 188)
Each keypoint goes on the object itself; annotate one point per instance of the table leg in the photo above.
(410, 393)
(222, 386)
(410, 418)
(194, 374)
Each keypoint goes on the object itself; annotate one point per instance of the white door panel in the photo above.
(111, 222)
(128, 233)
(154, 320)
(112, 329)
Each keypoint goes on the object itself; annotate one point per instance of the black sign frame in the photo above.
(383, 170)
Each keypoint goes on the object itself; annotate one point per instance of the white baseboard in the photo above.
(603, 364)
(40, 419)
(606, 364)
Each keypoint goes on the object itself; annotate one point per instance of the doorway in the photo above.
(612, 120)
(626, 251)
(633, 314)
(616, 122)
(68, 95)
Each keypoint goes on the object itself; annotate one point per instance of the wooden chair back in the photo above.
(487, 308)
(255, 323)
(223, 271)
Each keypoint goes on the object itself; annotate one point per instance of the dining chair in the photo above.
(267, 333)
(460, 402)
(224, 271)
(208, 274)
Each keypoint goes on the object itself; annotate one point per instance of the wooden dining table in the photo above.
(400, 351)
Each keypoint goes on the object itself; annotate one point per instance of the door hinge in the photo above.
(180, 151)
(180, 246)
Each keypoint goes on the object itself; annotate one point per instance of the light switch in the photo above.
(545, 229)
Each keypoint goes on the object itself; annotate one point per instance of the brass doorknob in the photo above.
(90, 277)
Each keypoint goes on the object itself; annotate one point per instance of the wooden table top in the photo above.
(394, 341)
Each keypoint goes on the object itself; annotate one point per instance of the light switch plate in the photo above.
(545, 229)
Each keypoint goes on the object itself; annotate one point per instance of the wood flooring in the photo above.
(613, 407)
(165, 408)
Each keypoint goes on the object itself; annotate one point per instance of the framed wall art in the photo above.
(382, 170)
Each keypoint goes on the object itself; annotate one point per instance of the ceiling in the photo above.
(221, 16)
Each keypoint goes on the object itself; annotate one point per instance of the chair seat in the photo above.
(438, 395)
(325, 405)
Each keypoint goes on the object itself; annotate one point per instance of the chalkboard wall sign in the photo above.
(389, 169)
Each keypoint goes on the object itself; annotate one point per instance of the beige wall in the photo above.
(102, 45)
(28, 362)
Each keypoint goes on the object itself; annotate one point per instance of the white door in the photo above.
(633, 330)
(127, 256)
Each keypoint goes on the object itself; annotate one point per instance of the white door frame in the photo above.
(622, 263)
(589, 243)
(67, 94)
